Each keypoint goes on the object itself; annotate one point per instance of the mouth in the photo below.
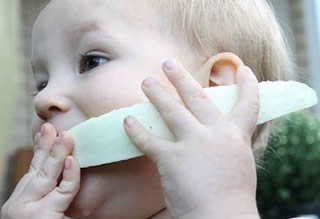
(62, 128)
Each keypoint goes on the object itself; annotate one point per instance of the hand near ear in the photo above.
(219, 70)
(209, 170)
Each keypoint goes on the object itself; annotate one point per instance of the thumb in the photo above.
(152, 146)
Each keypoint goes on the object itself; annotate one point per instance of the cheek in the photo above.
(104, 92)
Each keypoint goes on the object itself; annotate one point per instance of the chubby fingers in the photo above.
(246, 111)
(61, 197)
(45, 176)
(43, 143)
(178, 119)
(192, 93)
(154, 147)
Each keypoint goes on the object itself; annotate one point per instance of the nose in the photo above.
(50, 102)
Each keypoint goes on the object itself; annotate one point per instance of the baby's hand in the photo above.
(209, 170)
(38, 194)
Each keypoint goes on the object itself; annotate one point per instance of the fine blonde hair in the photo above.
(247, 28)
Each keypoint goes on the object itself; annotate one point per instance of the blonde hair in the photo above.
(247, 28)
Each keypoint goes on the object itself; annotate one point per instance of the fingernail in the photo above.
(129, 122)
(148, 82)
(67, 163)
(43, 129)
(170, 65)
(60, 138)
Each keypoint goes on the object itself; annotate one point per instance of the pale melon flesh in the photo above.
(103, 140)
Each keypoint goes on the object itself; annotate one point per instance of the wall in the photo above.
(9, 76)
(291, 17)
(18, 135)
(21, 137)
(312, 23)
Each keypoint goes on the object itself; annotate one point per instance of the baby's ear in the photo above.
(221, 69)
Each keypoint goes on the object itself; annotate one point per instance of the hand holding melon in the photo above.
(202, 148)
(208, 163)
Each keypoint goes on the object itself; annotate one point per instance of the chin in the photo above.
(123, 190)
(90, 198)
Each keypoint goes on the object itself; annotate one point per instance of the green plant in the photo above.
(291, 167)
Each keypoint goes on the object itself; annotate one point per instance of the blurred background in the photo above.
(289, 179)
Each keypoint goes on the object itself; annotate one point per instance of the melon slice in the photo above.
(103, 140)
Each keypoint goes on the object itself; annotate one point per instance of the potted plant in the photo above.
(289, 180)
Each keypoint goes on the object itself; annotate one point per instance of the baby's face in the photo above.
(90, 57)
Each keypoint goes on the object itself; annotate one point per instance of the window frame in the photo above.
(312, 25)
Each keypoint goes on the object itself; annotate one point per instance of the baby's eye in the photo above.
(89, 62)
(42, 85)
(39, 87)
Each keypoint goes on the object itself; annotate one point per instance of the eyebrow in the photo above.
(77, 32)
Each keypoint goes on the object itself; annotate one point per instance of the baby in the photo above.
(92, 56)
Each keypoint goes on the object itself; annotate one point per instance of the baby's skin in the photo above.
(208, 172)
(92, 58)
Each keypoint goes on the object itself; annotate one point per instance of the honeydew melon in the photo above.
(103, 140)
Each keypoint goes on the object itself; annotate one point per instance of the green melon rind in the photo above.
(103, 140)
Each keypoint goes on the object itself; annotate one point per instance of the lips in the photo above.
(61, 127)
